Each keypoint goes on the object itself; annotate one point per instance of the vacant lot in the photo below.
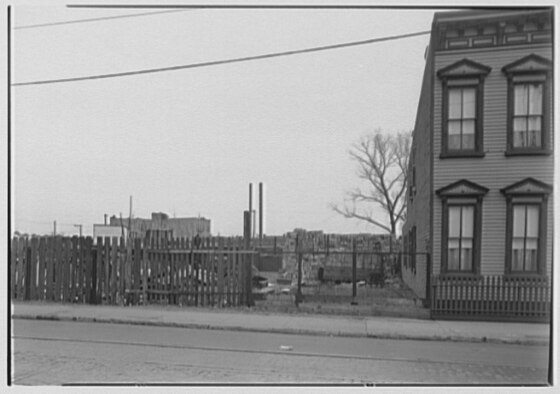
(394, 299)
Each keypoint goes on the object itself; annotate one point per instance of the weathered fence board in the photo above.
(116, 271)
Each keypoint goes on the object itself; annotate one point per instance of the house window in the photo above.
(527, 115)
(405, 250)
(526, 227)
(412, 186)
(461, 227)
(460, 238)
(525, 238)
(462, 109)
(528, 125)
(461, 122)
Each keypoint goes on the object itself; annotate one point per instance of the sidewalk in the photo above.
(246, 320)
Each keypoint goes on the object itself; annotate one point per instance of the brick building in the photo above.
(179, 227)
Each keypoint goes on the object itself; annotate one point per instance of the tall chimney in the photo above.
(105, 219)
(251, 208)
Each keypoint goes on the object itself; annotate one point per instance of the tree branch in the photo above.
(382, 161)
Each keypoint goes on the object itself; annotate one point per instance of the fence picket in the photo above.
(49, 253)
(25, 271)
(229, 276)
(13, 264)
(15, 261)
(82, 268)
(73, 277)
(64, 269)
(41, 267)
(499, 296)
(98, 284)
(137, 270)
(88, 271)
(120, 265)
(202, 277)
(196, 276)
(17, 258)
(21, 269)
(172, 283)
(32, 269)
(114, 271)
(50, 280)
(188, 271)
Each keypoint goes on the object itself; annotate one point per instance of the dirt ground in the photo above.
(394, 299)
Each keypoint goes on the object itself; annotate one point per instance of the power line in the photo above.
(226, 61)
(97, 19)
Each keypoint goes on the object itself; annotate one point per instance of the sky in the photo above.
(188, 142)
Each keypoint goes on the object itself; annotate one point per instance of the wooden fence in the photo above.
(200, 272)
(491, 298)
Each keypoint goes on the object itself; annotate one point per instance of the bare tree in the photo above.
(383, 165)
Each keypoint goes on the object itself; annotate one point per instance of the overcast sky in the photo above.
(188, 142)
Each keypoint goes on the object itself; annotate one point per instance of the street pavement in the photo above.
(47, 352)
(325, 325)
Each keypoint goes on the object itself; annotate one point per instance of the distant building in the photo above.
(104, 230)
(179, 227)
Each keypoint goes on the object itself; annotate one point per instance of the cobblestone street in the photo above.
(65, 353)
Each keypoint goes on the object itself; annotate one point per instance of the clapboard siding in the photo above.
(494, 171)
(418, 207)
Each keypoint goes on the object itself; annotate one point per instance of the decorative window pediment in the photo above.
(528, 116)
(462, 109)
(464, 68)
(529, 64)
(526, 227)
(462, 188)
(527, 186)
(461, 226)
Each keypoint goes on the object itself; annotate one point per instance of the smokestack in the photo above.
(250, 197)
(251, 212)
(105, 219)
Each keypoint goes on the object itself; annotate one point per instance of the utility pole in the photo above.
(130, 219)
(260, 214)
(250, 210)
(80, 227)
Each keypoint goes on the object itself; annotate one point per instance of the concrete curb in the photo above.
(292, 331)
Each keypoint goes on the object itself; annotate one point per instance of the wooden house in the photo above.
(480, 203)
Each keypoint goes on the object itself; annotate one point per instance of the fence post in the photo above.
(27, 274)
(427, 302)
(248, 279)
(299, 257)
(354, 267)
(433, 298)
(144, 263)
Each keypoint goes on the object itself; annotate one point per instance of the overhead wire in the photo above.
(225, 61)
(98, 19)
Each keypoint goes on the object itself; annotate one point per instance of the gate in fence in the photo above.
(197, 272)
